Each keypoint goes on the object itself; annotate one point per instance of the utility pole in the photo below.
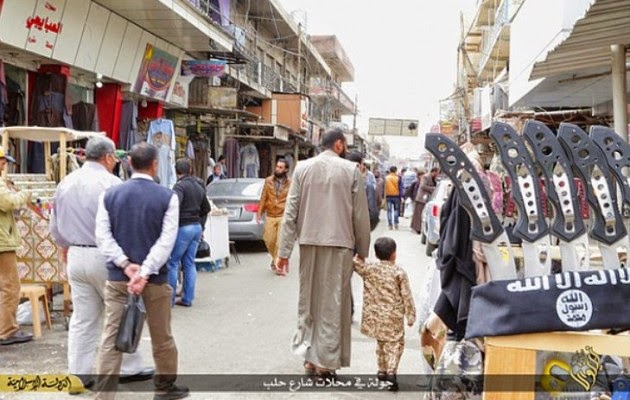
(461, 65)
(299, 74)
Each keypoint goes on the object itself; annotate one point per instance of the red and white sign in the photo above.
(44, 26)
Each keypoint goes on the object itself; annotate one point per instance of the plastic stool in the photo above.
(34, 293)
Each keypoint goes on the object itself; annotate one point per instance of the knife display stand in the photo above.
(511, 362)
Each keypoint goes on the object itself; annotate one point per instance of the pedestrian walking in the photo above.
(393, 194)
(428, 183)
(327, 214)
(387, 300)
(272, 203)
(401, 176)
(193, 211)
(72, 225)
(136, 228)
(10, 241)
(418, 203)
(370, 188)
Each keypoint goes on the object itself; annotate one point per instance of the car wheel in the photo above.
(429, 248)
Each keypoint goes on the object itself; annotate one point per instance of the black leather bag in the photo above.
(203, 250)
(131, 324)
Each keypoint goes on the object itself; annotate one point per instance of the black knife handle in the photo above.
(590, 164)
(472, 192)
(567, 223)
(617, 152)
(531, 224)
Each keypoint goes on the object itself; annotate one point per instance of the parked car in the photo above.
(430, 234)
(240, 197)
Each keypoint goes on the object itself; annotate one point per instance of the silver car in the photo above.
(431, 215)
(240, 197)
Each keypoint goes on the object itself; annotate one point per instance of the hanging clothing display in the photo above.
(48, 105)
(250, 163)
(232, 153)
(142, 129)
(166, 169)
(72, 164)
(166, 128)
(199, 144)
(162, 134)
(84, 117)
(128, 124)
(190, 150)
(15, 113)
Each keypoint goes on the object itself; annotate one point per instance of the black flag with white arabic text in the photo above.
(569, 301)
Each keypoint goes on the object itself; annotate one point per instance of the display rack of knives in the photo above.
(520, 312)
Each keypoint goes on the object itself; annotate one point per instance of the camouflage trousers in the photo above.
(389, 353)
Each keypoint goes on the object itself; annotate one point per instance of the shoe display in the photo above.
(18, 337)
(173, 393)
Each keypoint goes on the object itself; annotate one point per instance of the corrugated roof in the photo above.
(587, 45)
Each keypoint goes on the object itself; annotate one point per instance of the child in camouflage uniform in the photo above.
(387, 299)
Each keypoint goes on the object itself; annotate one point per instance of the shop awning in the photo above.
(574, 71)
(177, 21)
(40, 134)
(587, 45)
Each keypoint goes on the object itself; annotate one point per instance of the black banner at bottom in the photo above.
(341, 383)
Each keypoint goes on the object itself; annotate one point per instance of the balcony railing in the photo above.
(266, 77)
(328, 88)
(490, 37)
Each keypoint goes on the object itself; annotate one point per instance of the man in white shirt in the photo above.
(72, 225)
(136, 228)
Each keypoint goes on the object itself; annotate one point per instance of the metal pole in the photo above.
(620, 97)
(299, 74)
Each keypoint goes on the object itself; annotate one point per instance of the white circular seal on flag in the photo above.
(574, 308)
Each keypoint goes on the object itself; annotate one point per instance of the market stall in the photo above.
(39, 260)
(549, 329)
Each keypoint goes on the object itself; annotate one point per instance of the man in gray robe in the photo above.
(327, 213)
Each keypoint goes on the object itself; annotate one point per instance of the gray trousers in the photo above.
(87, 274)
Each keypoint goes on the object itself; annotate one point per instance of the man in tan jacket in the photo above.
(272, 202)
(327, 212)
(10, 241)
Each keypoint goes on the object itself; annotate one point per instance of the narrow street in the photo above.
(242, 322)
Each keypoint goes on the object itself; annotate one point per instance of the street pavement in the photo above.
(241, 322)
